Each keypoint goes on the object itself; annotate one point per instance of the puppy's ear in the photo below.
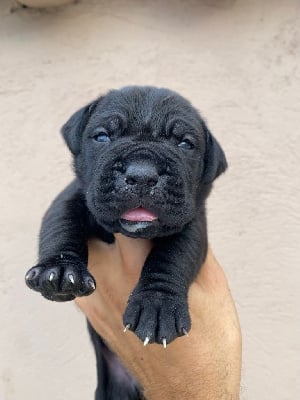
(72, 130)
(214, 160)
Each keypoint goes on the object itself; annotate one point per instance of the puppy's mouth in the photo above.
(137, 219)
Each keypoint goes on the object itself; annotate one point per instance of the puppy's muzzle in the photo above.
(139, 179)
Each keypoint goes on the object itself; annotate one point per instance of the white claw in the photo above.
(185, 332)
(71, 278)
(28, 275)
(126, 328)
(146, 341)
(92, 284)
(51, 276)
(164, 342)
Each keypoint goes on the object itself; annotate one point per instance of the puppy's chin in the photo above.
(139, 229)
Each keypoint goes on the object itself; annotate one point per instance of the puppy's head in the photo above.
(145, 160)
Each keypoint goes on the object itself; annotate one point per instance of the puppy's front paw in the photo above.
(61, 279)
(156, 317)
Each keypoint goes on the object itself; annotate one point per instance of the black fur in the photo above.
(135, 147)
(114, 382)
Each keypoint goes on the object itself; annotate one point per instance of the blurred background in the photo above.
(238, 63)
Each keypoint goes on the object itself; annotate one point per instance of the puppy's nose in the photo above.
(141, 173)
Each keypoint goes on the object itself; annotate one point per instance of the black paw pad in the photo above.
(157, 318)
(61, 279)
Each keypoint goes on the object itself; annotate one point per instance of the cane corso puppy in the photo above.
(144, 161)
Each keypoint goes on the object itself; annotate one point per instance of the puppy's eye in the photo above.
(101, 136)
(186, 144)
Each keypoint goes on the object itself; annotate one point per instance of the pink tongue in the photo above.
(139, 214)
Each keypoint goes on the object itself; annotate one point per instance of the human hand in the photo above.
(204, 365)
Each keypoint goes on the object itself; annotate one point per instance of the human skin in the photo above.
(205, 364)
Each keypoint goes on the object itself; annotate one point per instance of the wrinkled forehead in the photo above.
(146, 108)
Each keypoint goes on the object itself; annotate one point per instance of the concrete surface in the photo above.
(238, 62)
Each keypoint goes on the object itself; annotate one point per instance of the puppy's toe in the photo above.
(146, 328)
(87, 285)
(132, 316)
(50, 280)
(78, 282)
(183, 321)
(70, 280)
(166, 331)
(32, 277)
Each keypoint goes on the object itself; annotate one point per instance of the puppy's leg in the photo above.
(114, 382)
(157, 310)
(61, 273)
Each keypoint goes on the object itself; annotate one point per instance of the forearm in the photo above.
(206, 365)
(64, 226)
(212, 380)
(192, 367)
(206, 389)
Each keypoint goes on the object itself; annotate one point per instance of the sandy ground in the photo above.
(238, 62)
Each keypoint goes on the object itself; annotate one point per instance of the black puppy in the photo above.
(144, 162)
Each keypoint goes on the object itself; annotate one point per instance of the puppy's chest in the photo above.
(95, 230)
